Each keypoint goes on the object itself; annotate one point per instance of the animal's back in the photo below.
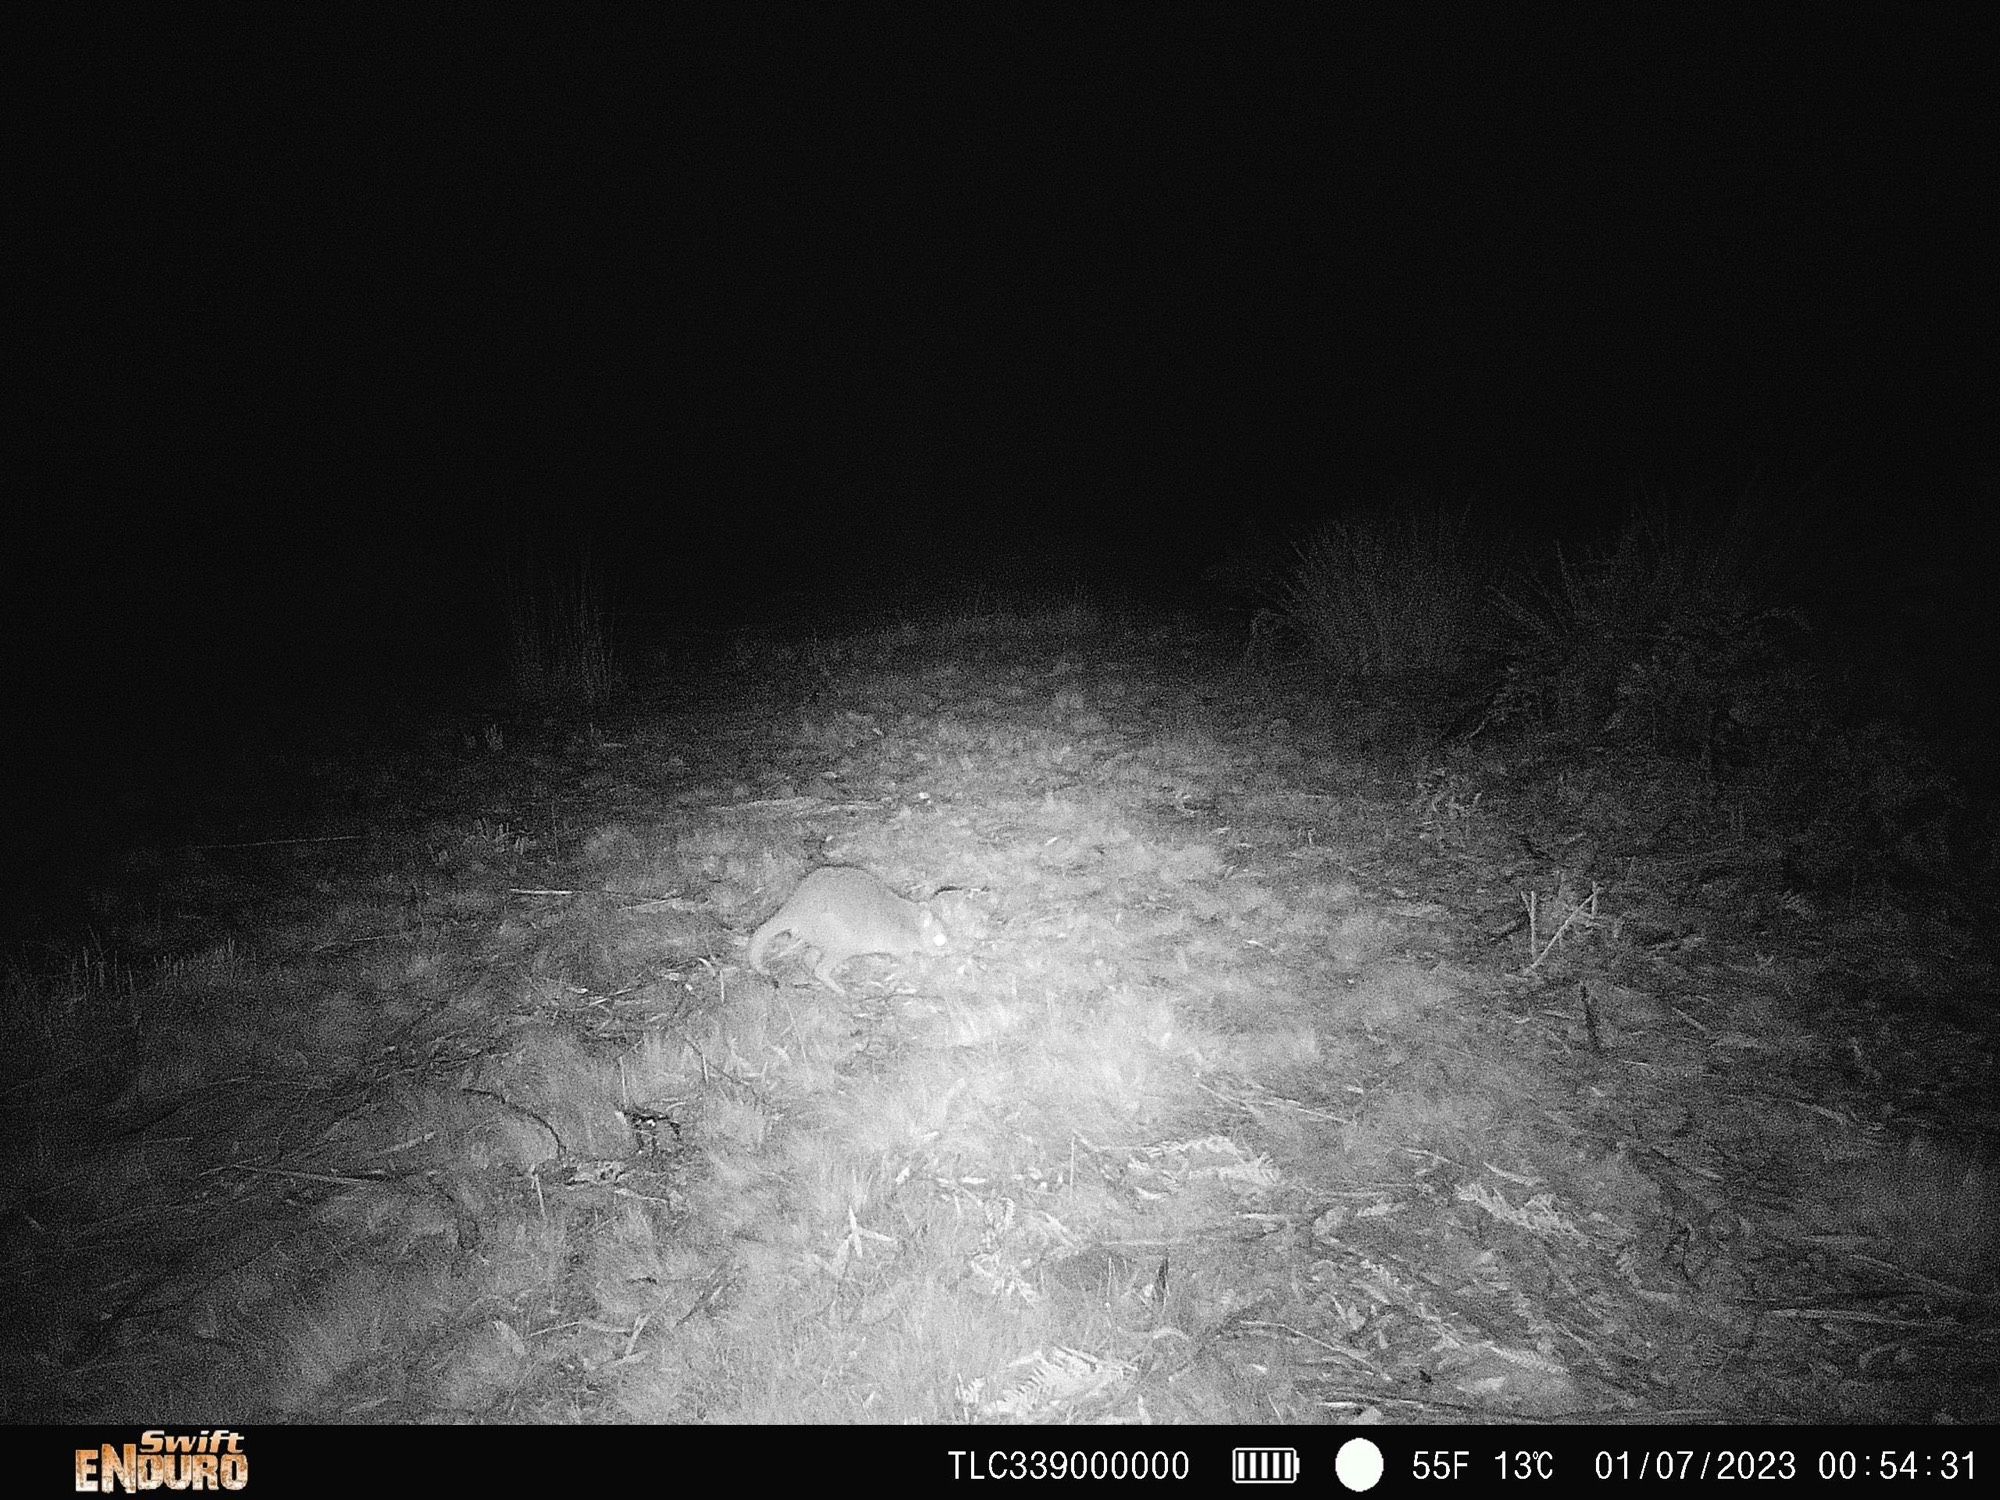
(845, 912)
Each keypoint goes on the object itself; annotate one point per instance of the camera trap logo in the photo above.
(211, 1459)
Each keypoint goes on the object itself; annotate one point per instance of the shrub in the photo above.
(1384, 595)
(1655, 640)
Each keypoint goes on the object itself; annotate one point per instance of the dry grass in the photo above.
(1263, 1083)
(1386, 596)
(560, 636)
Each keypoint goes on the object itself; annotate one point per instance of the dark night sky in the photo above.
(319, 321)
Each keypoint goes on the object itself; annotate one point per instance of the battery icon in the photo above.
(1265, 1465)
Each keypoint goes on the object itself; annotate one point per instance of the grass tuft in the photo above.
(560, 643)
(1384, 596)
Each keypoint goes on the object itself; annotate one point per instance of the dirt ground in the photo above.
(1292, 1061)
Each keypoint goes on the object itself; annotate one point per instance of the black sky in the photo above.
(317, 321)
